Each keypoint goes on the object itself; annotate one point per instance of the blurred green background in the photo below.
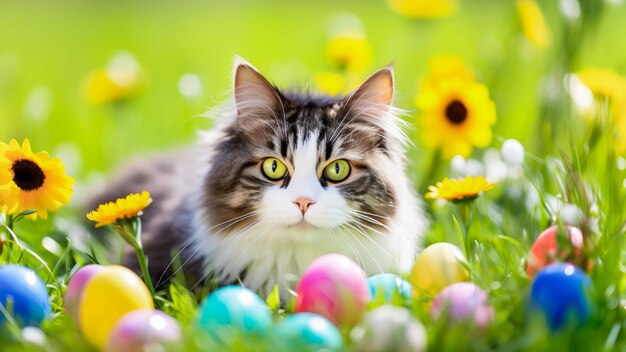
(48, 48)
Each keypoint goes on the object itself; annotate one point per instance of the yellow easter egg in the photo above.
(438, 266)
(109, 295)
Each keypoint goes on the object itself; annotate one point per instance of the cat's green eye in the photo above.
(273, 169)
(337, 171)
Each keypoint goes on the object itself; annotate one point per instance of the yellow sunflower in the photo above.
(350, 52)
(32, 181)
(448, 67)
(459, 189)
(123, 208)
(423, 8)
(456, 114)
(533, 23)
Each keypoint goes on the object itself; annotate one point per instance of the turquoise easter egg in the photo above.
(232, 311)
(24, 295)
(307, 332)
(388, 286)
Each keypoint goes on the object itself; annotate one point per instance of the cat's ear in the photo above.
(375, 94)
(254, 94)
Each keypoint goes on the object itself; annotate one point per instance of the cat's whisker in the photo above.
(194, 253)
(370, 219)
(348, 236)
(357, 227)
(368, 213)
(357, 256)
(192, 240)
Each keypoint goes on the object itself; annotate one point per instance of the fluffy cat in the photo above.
(284, 179)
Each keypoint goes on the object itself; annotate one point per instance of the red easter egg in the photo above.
(546, 251)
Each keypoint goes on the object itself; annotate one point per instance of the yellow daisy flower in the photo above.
(32, 181)
(606, 83)
(533, 23)
(122, 79)
(603, 82)
(123, 208)
(459, 189)
(456, 114)
(331, 83)
(423, 8)
(350, 52)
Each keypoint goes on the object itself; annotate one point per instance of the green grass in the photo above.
(47, 48)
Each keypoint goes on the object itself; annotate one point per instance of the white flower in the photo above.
(458, 165)
(512, 152)
(572, 215)
(189, 85)
(496, 171)
(474, 168)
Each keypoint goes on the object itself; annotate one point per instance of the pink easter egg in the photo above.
(463, 302)
(143, 330)
(75, 287)
(334, 287)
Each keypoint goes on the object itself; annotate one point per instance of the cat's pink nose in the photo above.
(303, 203)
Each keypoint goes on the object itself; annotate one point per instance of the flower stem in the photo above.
(10, 221)
(130, 231)
(465, 209)
(143, 264)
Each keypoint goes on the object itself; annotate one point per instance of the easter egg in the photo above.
(143, 330)
(233, 310)
(546, 249)
(389, 328)
(463, 302)
(561, 292)
(24, 295)
(109, 295)
(334, 287)
(308, 332)
(438, 266)
(387, 286)
(75, 287)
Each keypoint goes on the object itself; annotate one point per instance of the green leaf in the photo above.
(273, 300)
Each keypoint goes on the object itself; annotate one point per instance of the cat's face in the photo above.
(306, 164)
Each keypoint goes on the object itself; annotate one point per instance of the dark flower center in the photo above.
(27, 175)
(456, 112)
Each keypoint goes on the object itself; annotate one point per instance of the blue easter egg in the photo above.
(387, 285)
(308, 332)
(24, 294)
(560, 291)
(233, 310)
